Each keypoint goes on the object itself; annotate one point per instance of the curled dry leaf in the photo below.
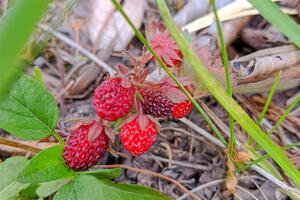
(107, 26)
(191, 11)
(263, 38)
(79, 80)
(242, 157)
(262, 66)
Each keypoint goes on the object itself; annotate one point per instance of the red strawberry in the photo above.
(182, 109)
(114, 98)
(139, 134)
(86, 146)
(164, 45)
(155, 103)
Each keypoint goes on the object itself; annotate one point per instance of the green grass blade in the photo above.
(269, 99)
(278, 19)
(15, 29)
(38, 75)
(163, 65)
(259, 159)
(282, 117)
(227, 72)
(227, 102)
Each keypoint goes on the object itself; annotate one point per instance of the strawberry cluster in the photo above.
(134, 102)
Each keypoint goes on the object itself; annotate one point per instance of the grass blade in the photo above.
(227, 72)
(38, 75)
(227, 102)
(269, 99)
(15, 29)
(259, 159)
(279, 19)
(282, 117)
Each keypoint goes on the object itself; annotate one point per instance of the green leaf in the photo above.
(119, 191)
(9, 171)
(278, 19)
(104, 173)
(84, 187)
(29, 192)
(67, 192)
(15, 29)
(38, 75)
(29, 111)
(88, 187)
(48, 165)
(231, 106)
(49, 188)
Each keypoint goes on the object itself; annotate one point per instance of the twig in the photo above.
(169, 152)
(82, 50)
(193, 135)
(261, 191)
(12, 143)
(199, 167)
(148, 172)
(202, 132)
(237, 196)
(214, 182)
(246, 191)
(275, 180)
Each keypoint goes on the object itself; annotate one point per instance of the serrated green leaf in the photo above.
(84, 187)
(29, 111)
(49, 188)
(29, 192)
(88, 187)
(119, 191)
(9, 171)
(48, 165)
(67, 192)
(104, 173)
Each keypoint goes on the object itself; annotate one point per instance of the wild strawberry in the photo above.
(139, 134)
(86, 146)
(114, 98)
(164, 45)
(182, 109)
(155, 103)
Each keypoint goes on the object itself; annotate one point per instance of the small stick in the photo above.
(175, 162)
(12, 143)
(82, 50)
(148, 172)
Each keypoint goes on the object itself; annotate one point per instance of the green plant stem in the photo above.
(268, 102)
(227, 102)
(282, 117)
(38, 75)
(145, 42)
(227, 71)
(57, 137)
(254, 162)
(269, 99)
